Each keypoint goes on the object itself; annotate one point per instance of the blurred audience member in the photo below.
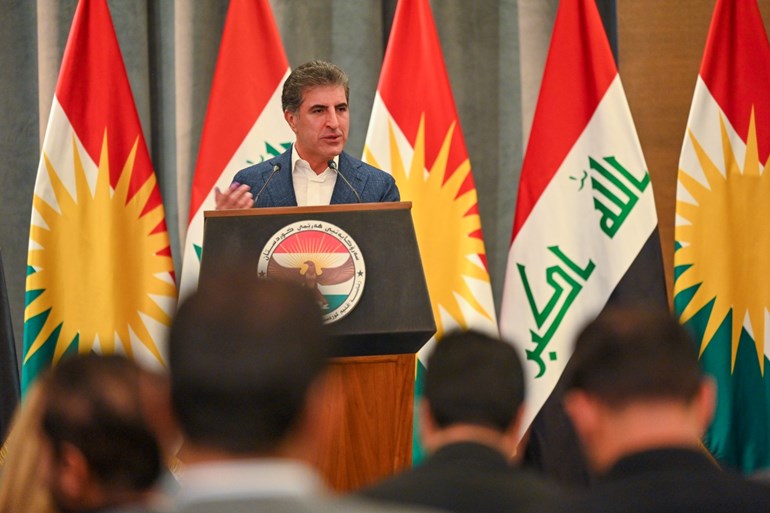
(22, 486)
(155, 392)
(469, 424)
(247, 359)
(640, 405)
(100, 453)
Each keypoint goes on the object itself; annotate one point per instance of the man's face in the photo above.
(321, 124)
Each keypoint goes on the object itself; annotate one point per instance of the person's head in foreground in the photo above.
(474, 390)
(100, 451)
(634, 384)
(245, 357)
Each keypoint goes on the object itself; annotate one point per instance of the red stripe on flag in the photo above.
(735, 68)
(575, 79)
(311, 241)
(239, 91)
(94, 91)
(414, 81)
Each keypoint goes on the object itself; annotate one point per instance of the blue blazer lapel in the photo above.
(280, 190)
(351, 169)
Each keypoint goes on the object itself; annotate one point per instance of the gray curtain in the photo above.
(494, 52)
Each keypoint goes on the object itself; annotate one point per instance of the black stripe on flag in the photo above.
(553, 446)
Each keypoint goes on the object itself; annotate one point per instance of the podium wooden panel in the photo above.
(368, 420)
(367, 432)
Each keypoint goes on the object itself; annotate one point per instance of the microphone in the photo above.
(333, 166)
(276, 168)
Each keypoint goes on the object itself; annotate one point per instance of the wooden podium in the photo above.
(368, 432)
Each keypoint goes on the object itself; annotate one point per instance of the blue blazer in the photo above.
(371, 183)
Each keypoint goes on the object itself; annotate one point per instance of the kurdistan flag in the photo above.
(414, 133)
(99, 271)
(244, 122)
(722, 234)
(585, 230)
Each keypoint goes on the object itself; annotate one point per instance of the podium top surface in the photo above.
(347, 207)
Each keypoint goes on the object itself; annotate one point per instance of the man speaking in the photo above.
(315, 170)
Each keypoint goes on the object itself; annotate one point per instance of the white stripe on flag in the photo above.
(565, 217)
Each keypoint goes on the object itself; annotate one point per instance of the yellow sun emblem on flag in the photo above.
(726, 242)
(445, 223)
(99, 263)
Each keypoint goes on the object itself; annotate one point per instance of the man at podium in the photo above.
(315, 170)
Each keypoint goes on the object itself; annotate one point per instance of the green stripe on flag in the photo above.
(737, 436)
(41, 359)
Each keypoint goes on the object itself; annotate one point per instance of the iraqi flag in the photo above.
(244, 122)
(585, 229)
(99, 271)
(722, 235)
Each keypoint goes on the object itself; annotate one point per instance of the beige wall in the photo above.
(660, 48)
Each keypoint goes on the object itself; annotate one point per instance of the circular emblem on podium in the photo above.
(321, 257)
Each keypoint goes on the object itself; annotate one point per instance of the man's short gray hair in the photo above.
(311, 74)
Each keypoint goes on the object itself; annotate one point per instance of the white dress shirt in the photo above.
(311, 188)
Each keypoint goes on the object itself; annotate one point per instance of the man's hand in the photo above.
(236, 196)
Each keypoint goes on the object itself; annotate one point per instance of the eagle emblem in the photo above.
(321, 257)
(310, 275)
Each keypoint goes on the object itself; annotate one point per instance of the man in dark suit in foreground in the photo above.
(640, 405)
(469, 422)
(248, 361)
(315, 170)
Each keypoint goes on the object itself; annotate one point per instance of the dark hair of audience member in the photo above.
(476, 379)
(635, 354)
(93, 403)
(242, 354)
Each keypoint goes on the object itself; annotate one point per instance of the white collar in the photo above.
(248, 478)
(295, 156)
